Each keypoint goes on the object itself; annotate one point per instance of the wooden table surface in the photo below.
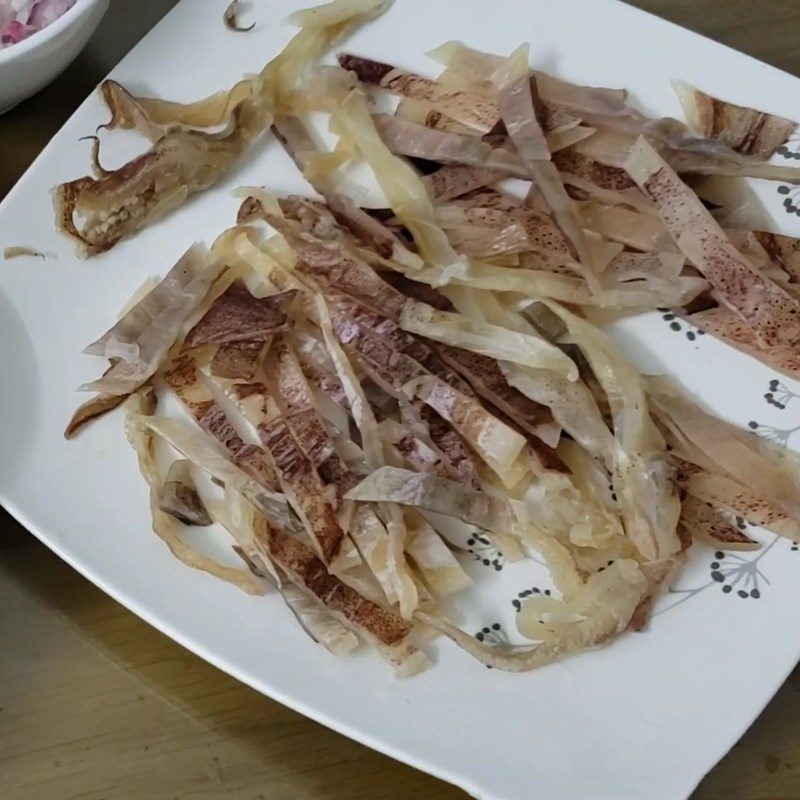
(96, 704)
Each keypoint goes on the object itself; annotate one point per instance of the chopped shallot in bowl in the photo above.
(39, 39)
(20, 19)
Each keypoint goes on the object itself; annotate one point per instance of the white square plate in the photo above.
(644, 718)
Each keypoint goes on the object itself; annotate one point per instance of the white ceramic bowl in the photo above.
(31, 64)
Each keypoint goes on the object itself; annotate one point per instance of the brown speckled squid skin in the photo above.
(474, 111)
(705, 522)
(487, 379)
(178, 495)
(454, 180)
(743, 129)
(237, 316)
(310, 573)
(583, 166)
(238, 361)
(92, 409)
(301, 482)
(771, 313)
(299, 411)
(783, 250)
(366, 69)
(293, 471)
(730, 328)
(340, 271)
(184, 379)
(449, 443)
(725, 494)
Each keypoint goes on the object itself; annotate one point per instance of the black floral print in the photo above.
(486, 551)
(679, 325)
(779, 395)
(791, 199)
(771, 433)
(517, 601)
(493, 635)
(787, 151)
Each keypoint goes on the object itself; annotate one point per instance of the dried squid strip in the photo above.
(723, 493)
(319, 623)
(454, 180)
(518, 99)
(296, 474)
(407, 138)
(91, 410)
(237, 316)
(218, 464)
(773, 315)
(294, 397)
(334, 91)
(783, 250)
(614, 595)
(743, 129)
(164, 525)
(492, 440)
(184, 378)
(392, 547)
(179, 497)
(297, 141)
(432, 493)
(728, 326)
(98, 213)
(141, 339)
(152, 117)
(642, 475)
(486, 378)
(382, 627)
(489, 340)
(705, 523)
(767, 471)
(469, 109)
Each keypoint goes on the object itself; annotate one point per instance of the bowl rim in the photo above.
(71, 16)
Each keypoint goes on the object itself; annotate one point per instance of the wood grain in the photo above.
(95, 704)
